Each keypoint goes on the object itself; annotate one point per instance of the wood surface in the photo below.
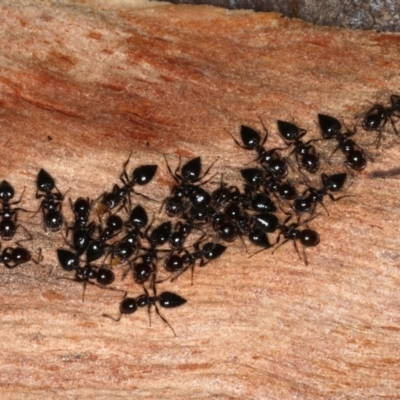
(82, 84)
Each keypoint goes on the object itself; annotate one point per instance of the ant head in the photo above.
(372, 119)
(144, 174)
(356, 160)
(45, 183)
(250, 137)
(287, 191)
(54, 220)
(191, 170)
(309, 238)
(173, 263)
(200, 198)
(114, 222)
(277, 168)
(105, 276)
(330, 126)
(142, 272)
(6, 191)
(128, 306)
(81, 206)
(289, 131)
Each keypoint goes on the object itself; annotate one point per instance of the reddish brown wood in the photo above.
(82, 85)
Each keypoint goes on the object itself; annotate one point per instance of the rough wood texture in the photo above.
(83, 84)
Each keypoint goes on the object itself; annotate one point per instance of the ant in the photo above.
(147, 268)
(269, 223)
(141, 176)
(179, 235)
(330, 128)
(179, 264)
(377, 117)
(51, 203)
(8, 223)
(97, 247)
(292, 135)
(251, 140)
(13, 257)
(81, 231)
(331, 183)
(187, 178)
(125, 248)
(129, 305)
(70, 262)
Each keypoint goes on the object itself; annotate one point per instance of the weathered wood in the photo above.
(82, 85)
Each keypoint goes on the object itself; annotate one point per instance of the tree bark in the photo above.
(83, 84)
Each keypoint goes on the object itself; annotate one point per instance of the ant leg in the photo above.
(144, 196)
(174, 175)
(277, 247)
(265, 129)
(58, 195)
(40, 207)
(164, 319)
(341, 197)
(323, 205)
(334, 151)
(394, 127)
(296, 248)
(207, 171)
(124, 176)
(305, 255)
(84, 290)
(120, 314)
(243, 147)
(179, 273)
(29, 238)
(40, 257)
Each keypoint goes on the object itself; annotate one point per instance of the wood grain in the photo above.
(84, 83)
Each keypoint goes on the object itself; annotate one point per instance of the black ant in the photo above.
(8, 223)
(292, 135)
(97, 248)
(377, 117)
(12, 257)
(81, 231)
(179, 235)
(129, 305)
(70, 262)
(128, 245)
(269, 223)
(51, 203)
(147, 268)
(330, 128)
(140, 176)
(331, 183)
(186, 187)
(251, 140)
